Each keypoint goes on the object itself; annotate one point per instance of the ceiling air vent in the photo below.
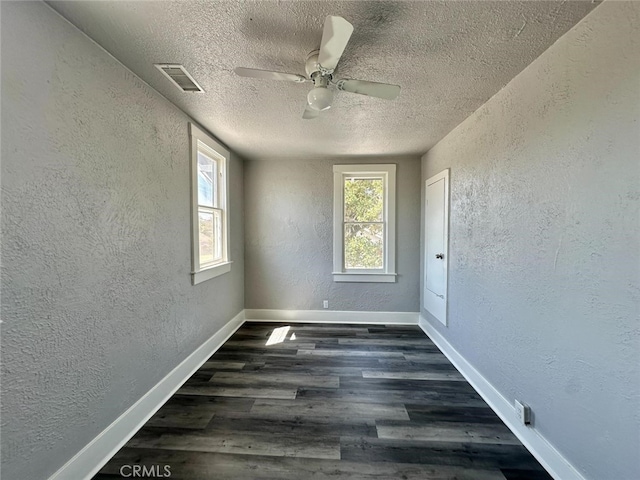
(179, 77)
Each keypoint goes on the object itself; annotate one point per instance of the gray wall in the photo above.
(289, 238)
(544, 241)
(97, 302)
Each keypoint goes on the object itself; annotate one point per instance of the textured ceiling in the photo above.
(449, 57)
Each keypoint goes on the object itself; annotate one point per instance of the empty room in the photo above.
(320, 239)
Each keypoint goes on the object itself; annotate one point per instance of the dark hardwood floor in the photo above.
(329, 401)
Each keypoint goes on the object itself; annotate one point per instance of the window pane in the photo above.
(210, 236)
(363, 245)
(217, 235)
(206, 237)
(207, 181)
(363, 199)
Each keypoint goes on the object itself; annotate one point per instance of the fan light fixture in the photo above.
(320, 98)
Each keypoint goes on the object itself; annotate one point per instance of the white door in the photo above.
(436, 222)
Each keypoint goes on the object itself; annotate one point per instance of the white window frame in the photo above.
(202, 141)
(388, 273)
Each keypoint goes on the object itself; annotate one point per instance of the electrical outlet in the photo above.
(523, 412)
(325, 304)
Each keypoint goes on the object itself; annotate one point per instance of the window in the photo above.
(364, 223)
(210, 207)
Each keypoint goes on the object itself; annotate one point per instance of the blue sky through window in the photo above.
(207, 172)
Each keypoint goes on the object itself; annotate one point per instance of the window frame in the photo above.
(211, 149)
(388, 273)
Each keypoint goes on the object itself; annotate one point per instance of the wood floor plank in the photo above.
(301, 360)
(280, 445)
(422, 357)
(219, 404)
(330, 330)
(466, 455)
(312, 408)
(273, 380)
(403, 384)
(273, 350)
(392, 365)
(524, 474)
(363, 347)
(349, 353)
(211, 390)
(398, 342)
(303, 337)
(449, 432)
(200, 376)
(416, 397)
(293, 425)
(216, 365)
(324, 370)
(171, 415)
(424, 360)
(426, 414)
(261, 343)
(413, 375)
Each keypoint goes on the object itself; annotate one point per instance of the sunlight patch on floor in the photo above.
(278, 335)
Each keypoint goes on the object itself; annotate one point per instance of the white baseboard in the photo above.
(332, 316)
(552, 460)
(98, 452)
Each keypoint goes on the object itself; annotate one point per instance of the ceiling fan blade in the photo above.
(269, 75)
(310, 113)
(335, 36)
(373, 89)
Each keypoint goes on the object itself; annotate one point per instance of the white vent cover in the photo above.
(179, 77)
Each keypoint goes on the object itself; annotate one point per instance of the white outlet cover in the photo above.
(523, 412)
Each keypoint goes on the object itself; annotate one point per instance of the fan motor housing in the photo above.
(311, 65)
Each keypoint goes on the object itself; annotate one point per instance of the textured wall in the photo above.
(97, 302)
(544, 241)
(289, 238)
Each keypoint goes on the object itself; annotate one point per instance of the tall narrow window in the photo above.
(210, 212)
(364, 223)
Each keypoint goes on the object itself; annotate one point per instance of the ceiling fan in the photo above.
(320, 66)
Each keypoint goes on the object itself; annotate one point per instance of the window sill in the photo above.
(365, 277)
(210, 272)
